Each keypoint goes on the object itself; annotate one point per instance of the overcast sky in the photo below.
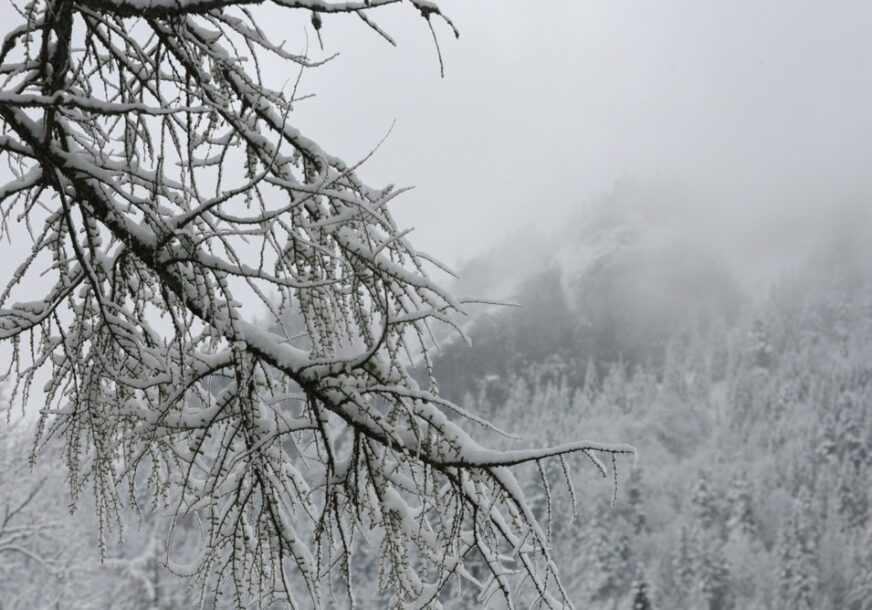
(762, 110)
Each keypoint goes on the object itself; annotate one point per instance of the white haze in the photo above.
(758, 112)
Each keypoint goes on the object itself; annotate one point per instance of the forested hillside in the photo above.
(616, 286)
(751, 416)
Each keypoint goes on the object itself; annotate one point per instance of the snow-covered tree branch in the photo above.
(165, 191)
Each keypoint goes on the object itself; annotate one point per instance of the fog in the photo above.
(757, 114)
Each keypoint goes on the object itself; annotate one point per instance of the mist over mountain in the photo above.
(616, 285)
(748, 403)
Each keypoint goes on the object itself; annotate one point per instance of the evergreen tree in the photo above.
(704, 503)
(853, 443)
(852, 497)
(591, 388)
(641, 594)
(683, 565)
(605, 565)
(614, 389)
(636, 502)
(860, 595)
(797, 580)
(715, 578)
(761, 349)
(742, 519)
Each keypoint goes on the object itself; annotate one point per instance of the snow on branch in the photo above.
(168, 197)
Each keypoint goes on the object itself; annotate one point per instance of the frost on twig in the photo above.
(163, 186)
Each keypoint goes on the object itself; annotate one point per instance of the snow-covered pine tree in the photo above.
(860, 595)
(714, 577)
(636, 502)
(760, 348)
(684, 568)
(160, 189)
(741, 519)
(704, 503)
(797, 554)
(605, 572)
(852, 496)
(641, 596)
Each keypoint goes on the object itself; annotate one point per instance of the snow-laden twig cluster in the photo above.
(163, 186)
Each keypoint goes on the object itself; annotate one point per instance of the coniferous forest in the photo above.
(751, 418)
